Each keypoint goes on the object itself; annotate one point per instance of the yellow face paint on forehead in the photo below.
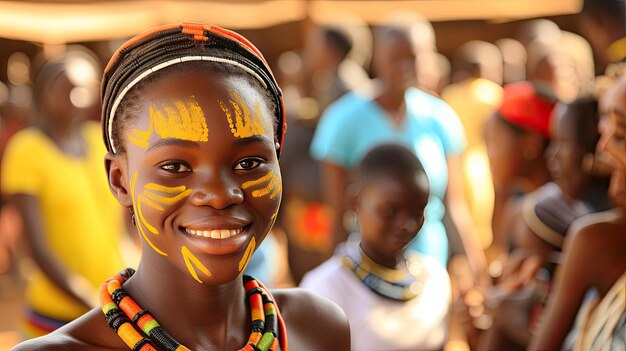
(180, 120)
(243, 123)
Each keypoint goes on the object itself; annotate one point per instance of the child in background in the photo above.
(394, 299)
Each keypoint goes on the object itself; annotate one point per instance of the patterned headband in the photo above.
(169, 45)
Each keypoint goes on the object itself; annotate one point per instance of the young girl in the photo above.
(193, 121)
(394, 300)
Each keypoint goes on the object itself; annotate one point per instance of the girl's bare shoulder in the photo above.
(89, 332)
(313, 322)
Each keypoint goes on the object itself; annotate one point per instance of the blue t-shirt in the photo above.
(354, 124)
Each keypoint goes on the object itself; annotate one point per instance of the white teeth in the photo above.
(215, 233)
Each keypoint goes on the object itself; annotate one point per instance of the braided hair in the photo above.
(150, 55)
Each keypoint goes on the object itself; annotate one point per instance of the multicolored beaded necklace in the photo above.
(401, 284)
(125, 316)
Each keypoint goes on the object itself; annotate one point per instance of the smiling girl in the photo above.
(194, 121)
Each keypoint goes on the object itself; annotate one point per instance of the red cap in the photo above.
(524, 107)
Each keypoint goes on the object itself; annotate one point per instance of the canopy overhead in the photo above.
(58, 22)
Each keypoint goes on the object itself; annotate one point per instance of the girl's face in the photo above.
(202, 173)
(564, 155)
(390, 210)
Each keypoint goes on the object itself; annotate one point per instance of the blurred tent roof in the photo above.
(57, 22)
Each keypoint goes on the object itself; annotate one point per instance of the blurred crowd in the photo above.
(519, 196)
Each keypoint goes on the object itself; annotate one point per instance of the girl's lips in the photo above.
(218, 241)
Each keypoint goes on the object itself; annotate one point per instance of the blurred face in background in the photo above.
(504, 151)
(613, 133)
(394, 60)
(564, 156)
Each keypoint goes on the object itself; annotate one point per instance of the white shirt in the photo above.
(381, 324)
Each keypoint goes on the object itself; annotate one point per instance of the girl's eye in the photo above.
(175, 167)
(247, 164)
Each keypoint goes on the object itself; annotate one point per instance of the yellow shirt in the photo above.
(82, 220)
(474, 100)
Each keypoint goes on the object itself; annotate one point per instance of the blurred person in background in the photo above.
(517, 135)
(15, 114)
(603, 23)
(328, 51)
(514, 57)
(475, 94)
(545, 218)
(53, 173)
(399, 113)
(394, 299)
(594, 252)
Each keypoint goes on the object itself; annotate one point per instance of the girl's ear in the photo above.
(115, 166)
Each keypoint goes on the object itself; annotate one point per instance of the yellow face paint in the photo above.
(182, 120)
(272, 185)
(133, 182)
(247, 255)
(153, 197)
(245, 124)
(190, 261)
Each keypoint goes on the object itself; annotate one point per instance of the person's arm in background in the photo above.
(72, 284)
(573, 277)
(22, 182)
(460, 213)
(452, 134)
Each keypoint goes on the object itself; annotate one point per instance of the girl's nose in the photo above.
(218, 192)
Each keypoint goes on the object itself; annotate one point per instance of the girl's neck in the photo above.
(193, 313)
(383, 260)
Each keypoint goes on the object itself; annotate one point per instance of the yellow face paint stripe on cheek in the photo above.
(190, 261)
(182, 120)
(246, 124)
(273, 183)
(165, 189)
(167, 200)
(247, 255)
(143, 219)
(261, 180)
(277, 190)
(133, 182)
(149, 202)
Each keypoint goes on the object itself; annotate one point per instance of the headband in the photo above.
(169, 45)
